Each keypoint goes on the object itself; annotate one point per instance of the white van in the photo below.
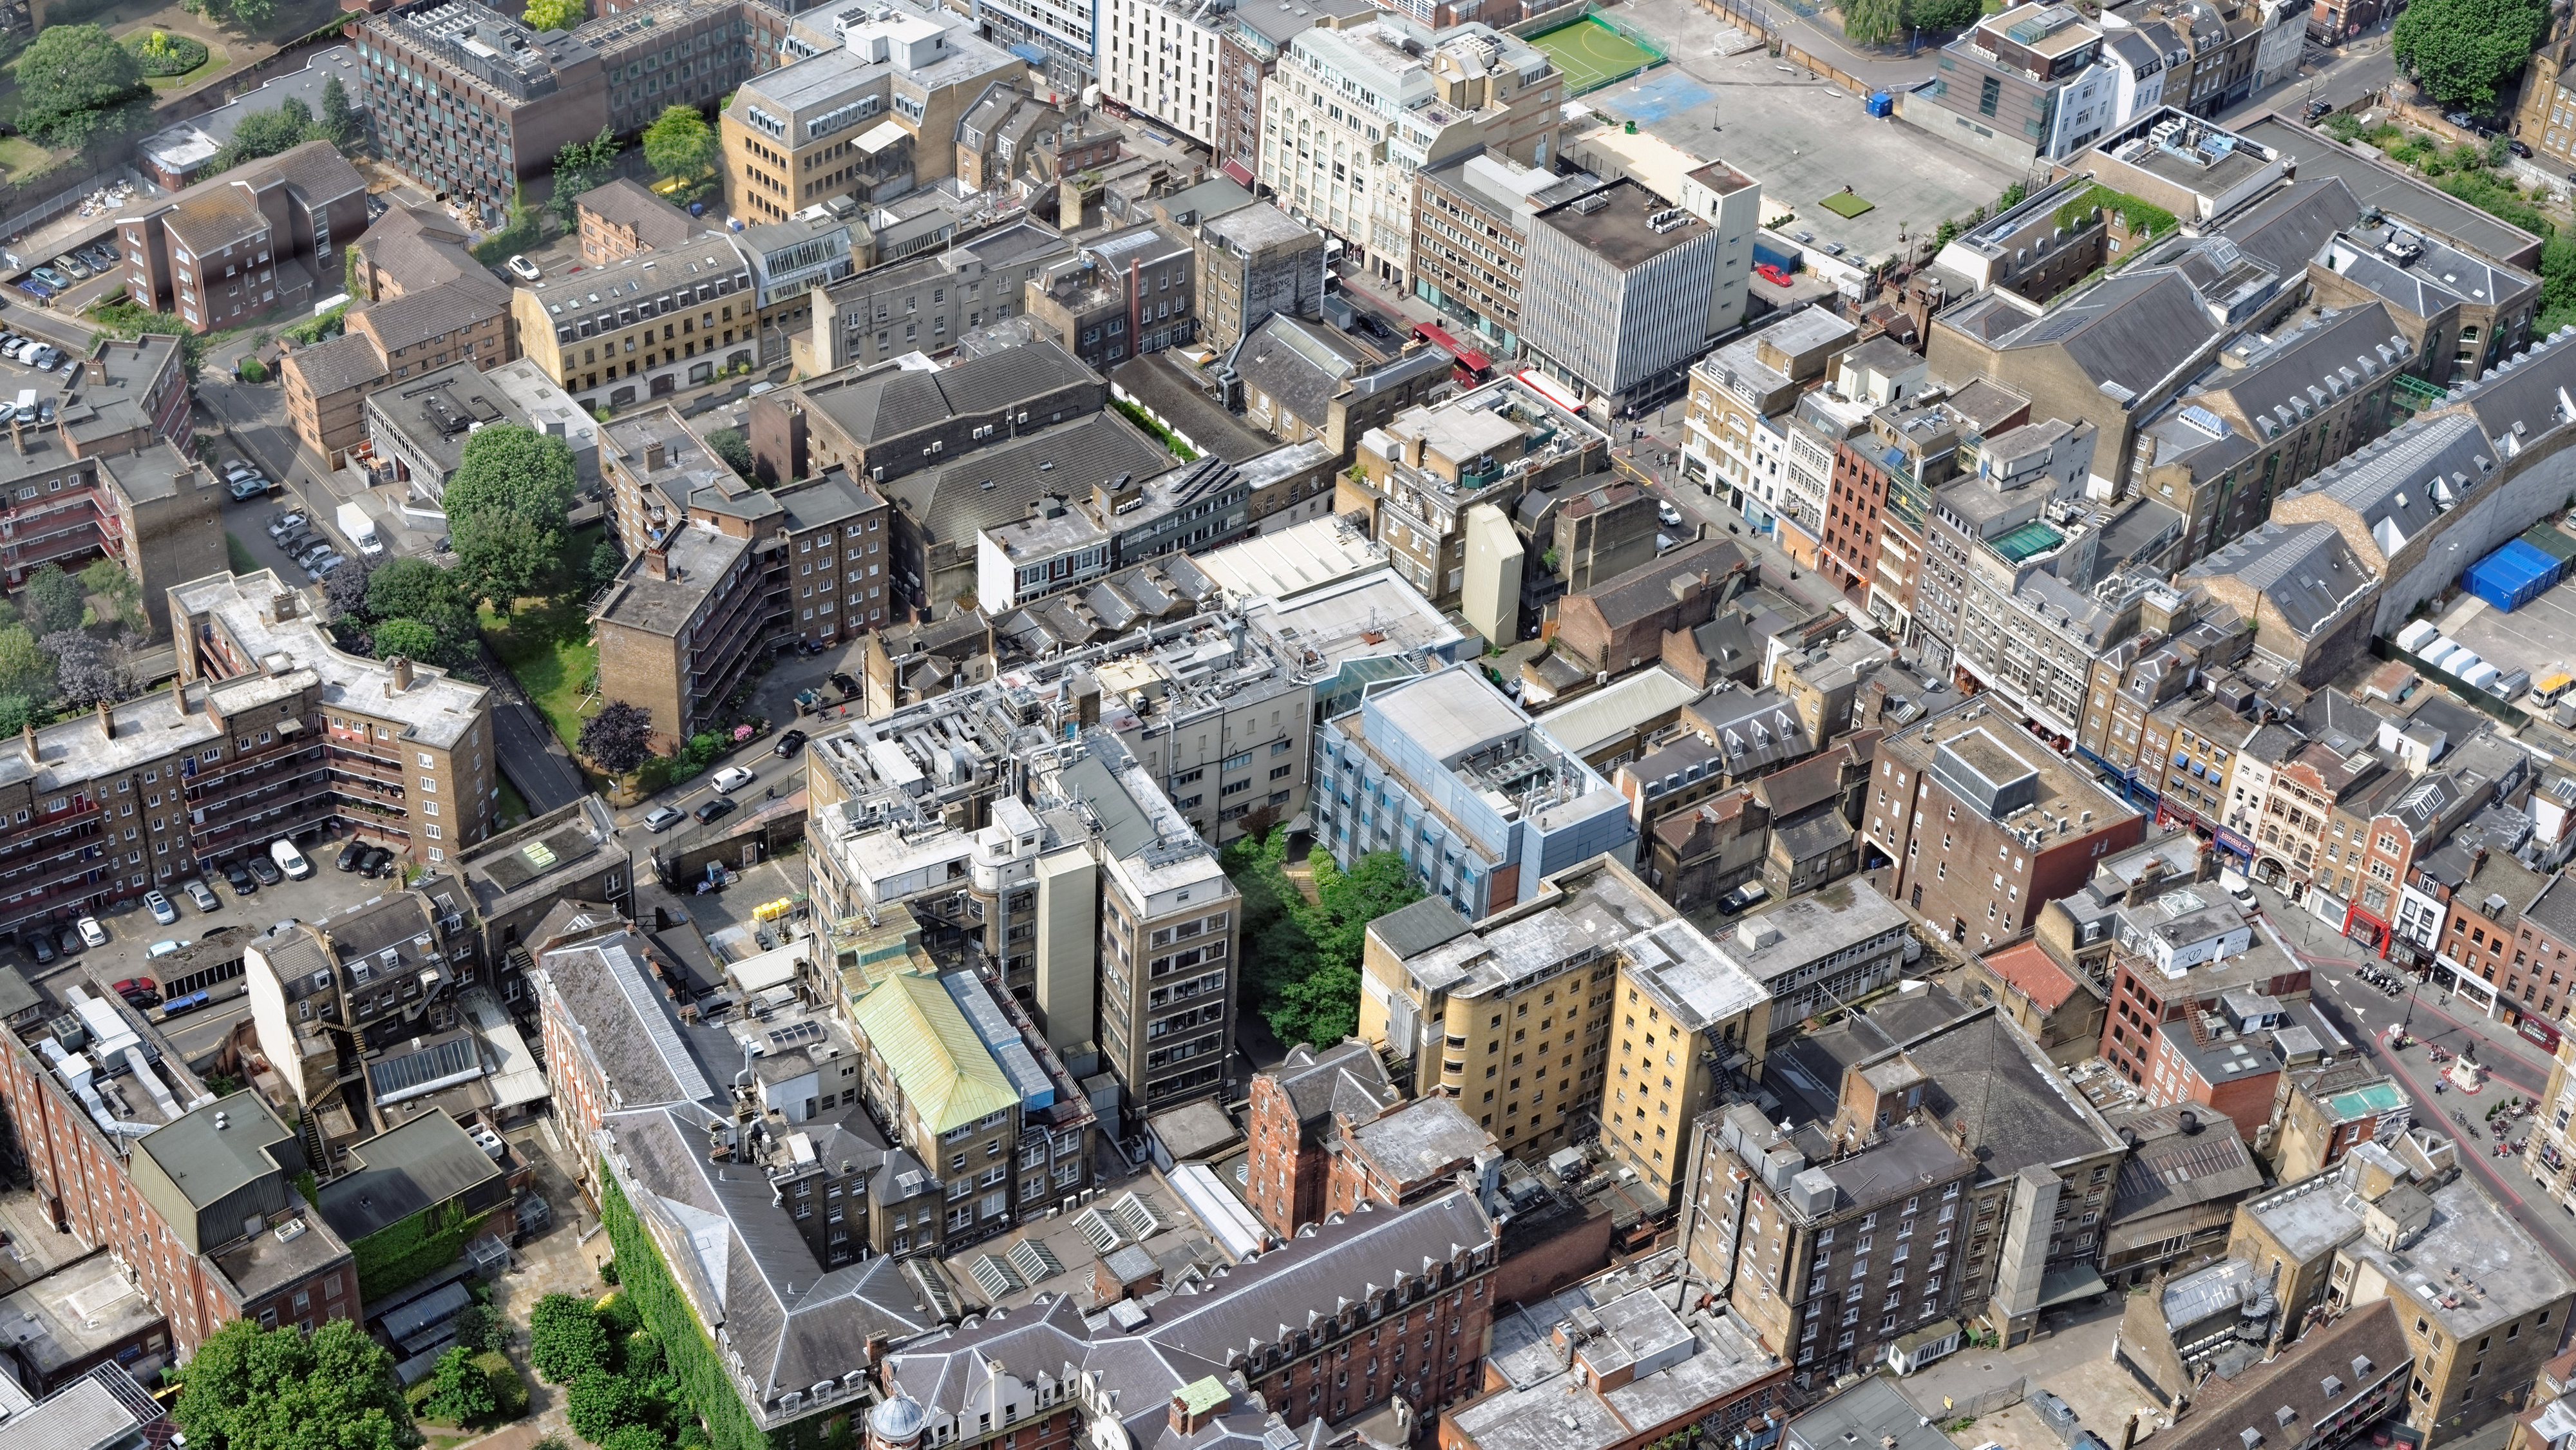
(288, 859)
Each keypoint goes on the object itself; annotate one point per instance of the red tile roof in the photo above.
(2033, 973)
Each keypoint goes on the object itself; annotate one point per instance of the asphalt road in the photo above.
(2363, 1012)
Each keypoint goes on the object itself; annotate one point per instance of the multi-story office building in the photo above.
(1068, 543)
(1255, 263)
(1127, 294)
(1631, 284)
(1347, 165)
(1481, 803)
(1427, 466)
(1736, 427)
(791, 262)
(253, 240)
(479, 104)
(1553, 1017)
(925, 303)
(279, 734)
(1471, 233)
(1159, 59)
(2030, 82)
(1249, 41)
(2016, 826)
(640, 328)
(198, 1202)
(872, 115)
(417, 430)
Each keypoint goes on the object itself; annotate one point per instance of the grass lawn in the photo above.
(238, 556)
(513, 807)
(216, 59)
(1845, 205)
(22, 157)
(546, 647)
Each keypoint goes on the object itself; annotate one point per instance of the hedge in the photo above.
(2142, 216)
(693, 1359)
(423, 1244)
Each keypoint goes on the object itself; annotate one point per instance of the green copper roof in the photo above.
(936, 1057)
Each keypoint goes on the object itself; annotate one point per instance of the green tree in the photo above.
(680, 145)
(126, 320)
(50, 600)
(635, 1437)
(2463, 51)
(729, 445)
(477, 1327)
(249, 1388)
(15, 712)
(564, 1338)
(580, 166)
(24, 668)
(339, 119)
(599, 1402)
(554, 14)
(266, 133)
(459, 1391)
(241, 14)
(1943, 14)
(107, 581)
(603, 566)
(1303, 958)
(2557, 283)
(506, 508)
(418, 590)
(409, 638)
(1873, 22)
(75, 82)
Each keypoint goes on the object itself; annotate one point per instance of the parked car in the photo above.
(324, 565)
(288, 859)
(160, 907)
(844, 683)
(1772, 274)
(715, 806)
(239, 877)
(245, 489)
(48, 358)
(789, 744)
(811, 646)
(663, 818)
(143, 990)
(732, 778)
(1742, 898)
(166, 947)
(71, 266)
(523, 269)
(184, 1003)
(51, 278)
(2518, 148)
(1667, 515)
(350, 855)
(36, 289)
(285, 523)
(91, 933)
(239, 466)
(44, 410)
(40, 946)
(380, 861)
(266, 870)
(200, 895)
(68, 942)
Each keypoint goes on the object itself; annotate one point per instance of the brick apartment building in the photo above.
(1291, 1114)
(256, 239)
(1973, 825)
(624, 217)
(199, 1204)
(720, 572)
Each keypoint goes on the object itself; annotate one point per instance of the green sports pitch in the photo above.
(1593, 54)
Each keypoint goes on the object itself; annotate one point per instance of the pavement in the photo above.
(2071, 1358)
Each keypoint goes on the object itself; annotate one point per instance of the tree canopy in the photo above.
(249, 1388)
(266, 133)
(339, 119)
(506, 508)
(1303, 958)
(459, 1391)
(87, 670)
(24, 668)
(581, 166)
(419, 592)
(116, 589)
(1873, 22)
(50, 600)
(618, 738)
(729, 445)
(2464, 51)
(75, 82)
(564, 1338)
(1943, 14)
(554, 14)
(680, 144)
(409, 638)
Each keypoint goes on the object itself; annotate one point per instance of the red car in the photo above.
(141, 990)
(1772, 274)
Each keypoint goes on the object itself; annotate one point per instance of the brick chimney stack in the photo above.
(1195, 1404)
(106, 720)
(654, 456)
(401, 665)
(657, 561)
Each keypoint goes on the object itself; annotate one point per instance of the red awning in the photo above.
(1241, 173)
(1440, 337)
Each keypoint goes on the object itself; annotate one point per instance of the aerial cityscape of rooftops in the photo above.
(1288, 725)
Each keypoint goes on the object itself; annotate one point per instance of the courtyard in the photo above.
(1807, 139)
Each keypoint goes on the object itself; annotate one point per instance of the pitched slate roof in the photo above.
(344, 362)
(1347, 1078)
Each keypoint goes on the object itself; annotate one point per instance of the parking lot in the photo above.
(2531, 638)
